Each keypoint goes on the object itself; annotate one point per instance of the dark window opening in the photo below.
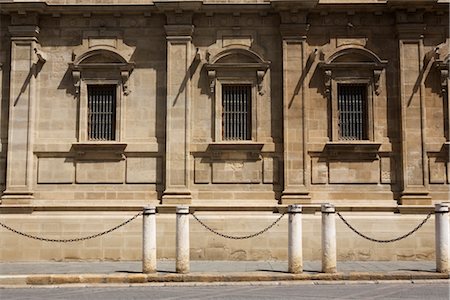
(236, 112)
(352, 106)
(102, 112)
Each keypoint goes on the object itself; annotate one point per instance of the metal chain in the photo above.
(238, 237)
(385, 241)
(70, 240)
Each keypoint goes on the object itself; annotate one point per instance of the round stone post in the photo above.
(442, 237)
(295, 251)
(328, 238)
(182, 243)
(149, 240)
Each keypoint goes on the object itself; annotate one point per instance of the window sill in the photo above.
(352, 150)
(99, 150)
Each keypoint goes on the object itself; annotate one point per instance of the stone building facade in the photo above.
(120, 104)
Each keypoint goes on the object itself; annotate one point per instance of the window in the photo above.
(101, 112)
(237, 85)
(100, 79)
(352, 107)
(236, 112)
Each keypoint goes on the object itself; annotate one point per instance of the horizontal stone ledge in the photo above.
(170, 209)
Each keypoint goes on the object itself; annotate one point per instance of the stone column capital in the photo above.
(294, 32)
(179, 31)
(410, 31)
(24, 32)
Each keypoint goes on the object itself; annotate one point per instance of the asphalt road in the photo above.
(392, 291)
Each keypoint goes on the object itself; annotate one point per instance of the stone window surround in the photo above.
(251, 73)
(117, 73)
(335, 74)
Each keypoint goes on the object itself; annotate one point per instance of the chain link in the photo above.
(385, 241)
(71, 240)
(239, 237)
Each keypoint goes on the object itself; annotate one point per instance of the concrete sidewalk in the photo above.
(47, 273)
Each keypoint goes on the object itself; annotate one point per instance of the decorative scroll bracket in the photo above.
(212, 80)
(76, 75)
(260, 76)
(125, 74)
(376, 80)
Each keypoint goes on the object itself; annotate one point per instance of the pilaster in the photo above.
(411, 54)
(294, 124)
(25, 64)
(179, 59)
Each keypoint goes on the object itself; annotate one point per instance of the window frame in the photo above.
(218, 118)
(335, 129)
(114, 109)
(83, 134)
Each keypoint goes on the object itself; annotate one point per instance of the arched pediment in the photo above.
(354, 54)
(237, 55)
(100, 56)
(101, 59)
(237, 60)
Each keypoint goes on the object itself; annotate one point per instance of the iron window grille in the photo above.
(236, 112)
(353, 114)
(102, 112)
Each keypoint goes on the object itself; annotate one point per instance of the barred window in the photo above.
(101, 112)
(236, 112)
(353, 116)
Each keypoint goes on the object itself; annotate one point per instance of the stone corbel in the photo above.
(328, 83)
(76, 75)
(125, 74)
(260, 77)
(212, 80)
(444, 81)
(376, 80)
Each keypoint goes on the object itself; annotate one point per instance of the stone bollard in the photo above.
(182, 243)
(442, 238)
(328, 238)
(295, 251)
(149, 240)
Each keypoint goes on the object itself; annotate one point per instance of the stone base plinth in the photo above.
(294, 198)
(415, 199)
(169, 198)
(16, 198)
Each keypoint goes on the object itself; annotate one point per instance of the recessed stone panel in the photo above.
(143, 170)
(319, 174)
(100, 171)
(354, 172)
(202, 170)
(55, 170)
(270, 170)
(437, 169)
(237, 172)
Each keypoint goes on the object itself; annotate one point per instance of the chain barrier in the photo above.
(239, 237)
(384, 241)
(71, 240)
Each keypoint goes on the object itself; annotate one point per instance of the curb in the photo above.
(60, 279)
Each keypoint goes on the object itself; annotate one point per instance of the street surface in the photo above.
(290, 290)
